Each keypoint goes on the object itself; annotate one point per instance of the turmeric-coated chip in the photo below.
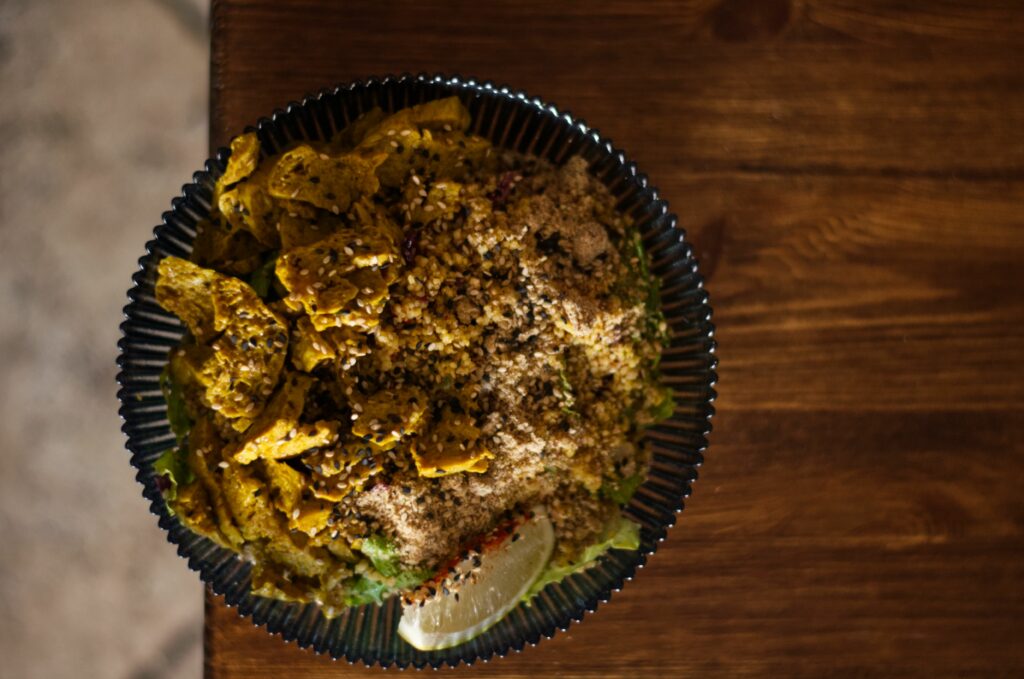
(277, 432)
(329, 182)
(245, 155)
(247, 341)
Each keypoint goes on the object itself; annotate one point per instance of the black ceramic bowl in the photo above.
(511, 120)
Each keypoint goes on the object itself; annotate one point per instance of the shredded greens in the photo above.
(621, 491)
(176, 413)
(262, 279)
(665, 408)
(620, 533)
(171, 465)
(383, 554)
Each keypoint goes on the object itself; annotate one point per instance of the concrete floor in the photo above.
(102, 119)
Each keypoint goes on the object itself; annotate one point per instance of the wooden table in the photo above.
(852, 175)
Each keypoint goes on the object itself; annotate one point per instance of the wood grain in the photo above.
(851, 175)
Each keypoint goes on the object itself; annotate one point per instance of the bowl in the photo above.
(512, 120)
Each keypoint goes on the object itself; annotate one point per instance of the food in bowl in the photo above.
(406, 350)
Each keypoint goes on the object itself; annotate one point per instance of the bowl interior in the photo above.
(511, 120)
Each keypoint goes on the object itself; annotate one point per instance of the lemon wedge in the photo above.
(504, 575)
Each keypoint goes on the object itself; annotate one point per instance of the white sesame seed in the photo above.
(222, 465)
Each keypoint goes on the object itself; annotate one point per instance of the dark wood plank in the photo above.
(830, 88)
(851, 174)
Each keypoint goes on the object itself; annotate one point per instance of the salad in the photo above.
(414, 362)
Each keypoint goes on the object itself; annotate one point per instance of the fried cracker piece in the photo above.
(355, 132)
(245, 357)
(204, 457)
(329, 182)
(277, 433)
(192, 507)
(452, 446)
(248, 207)
(387, 416)
(245, 156)
(249, 500)
(219, 245)
(446, 114)
(430, 156)
(312, 347)
(343, 469)
(332, 282)
(309, 347)
(301, 224)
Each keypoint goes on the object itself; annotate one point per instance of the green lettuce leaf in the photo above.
(383, 553)
(621, 533)
(366, 589)
(172, 466)
(665, 407)
(176, 413)
(621, 491)
(363, 590)
(262, 279)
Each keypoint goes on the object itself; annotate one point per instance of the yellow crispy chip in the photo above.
(434, 157)
(354, 133)
(248, 207)
(249, 500)
(286, 485)
(343, 469)
(184, 289)
(446, 114)
(452, 446)
(219, 245)
(301, 224)
(309, 347)
(387, 416)
(243, 362)
(192, 507)
(311, 516)
(328, 182)
(328, 282)
(245, 155)
(277, 432)
(204, 456)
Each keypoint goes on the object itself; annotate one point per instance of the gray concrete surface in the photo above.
(102, 118)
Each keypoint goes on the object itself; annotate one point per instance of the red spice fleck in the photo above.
(506, 184)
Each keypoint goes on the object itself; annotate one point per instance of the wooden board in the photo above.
(852, 176)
